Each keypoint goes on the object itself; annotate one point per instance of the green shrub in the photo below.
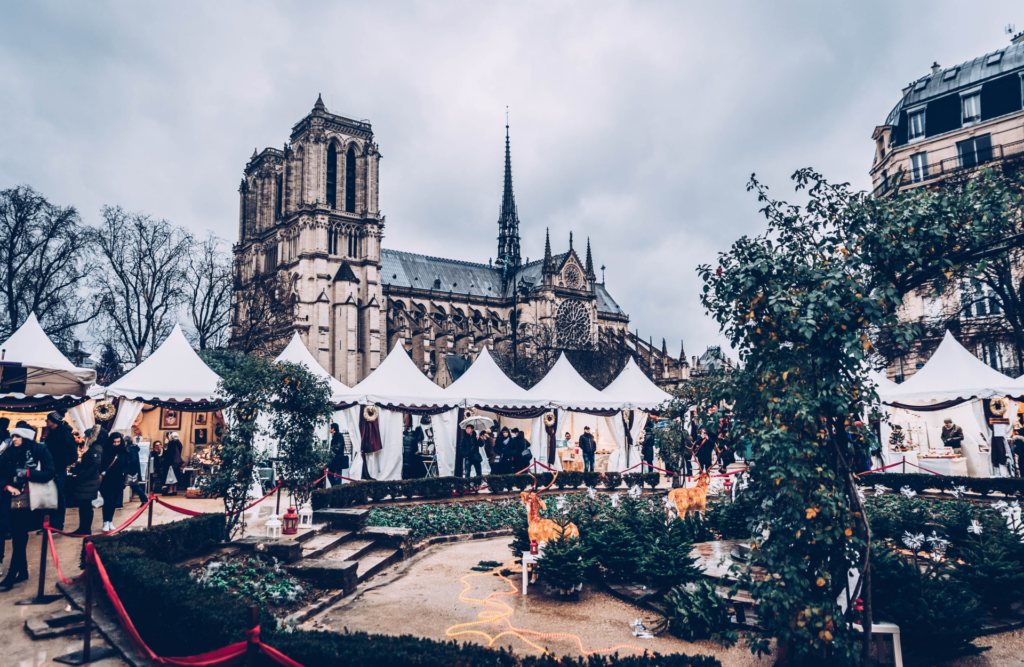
(450, 518)
(666, 557)
(564, 562)
(937, 613)
(696, 611)
(921, 481)
(592, 480)
(612, 480)
(993, 563)
(730, 520)
(616, 547)
(168, 542)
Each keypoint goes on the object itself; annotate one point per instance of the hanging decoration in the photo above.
(549, 419)
(370, 413)
(104, 411)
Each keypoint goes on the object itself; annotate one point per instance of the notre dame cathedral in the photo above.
(310, 223)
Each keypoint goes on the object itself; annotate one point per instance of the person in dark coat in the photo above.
(133, 472)
(173, 461)
(339, 461)
(524, 455)
(588, 446)
(23, 461)
(704, 448)
(86, 478)
(469, 446)
(412, 465)
(64, 452)
(114, 464)
(647, 448)
(487, 440)
(4, 433)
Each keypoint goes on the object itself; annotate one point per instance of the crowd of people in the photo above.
(89, 471)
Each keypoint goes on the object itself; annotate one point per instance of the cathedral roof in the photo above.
(409, 270)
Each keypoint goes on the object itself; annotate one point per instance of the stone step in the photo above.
(38, 629)
(353, 549)
(376, 560)
(324, 543)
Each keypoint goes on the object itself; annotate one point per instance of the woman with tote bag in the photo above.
(26, 467)
(87, 478)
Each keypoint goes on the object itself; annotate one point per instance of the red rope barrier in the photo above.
(179, 510)
(116, 530)
(250, 506)
(891, 465)
(347, 479)
(56, 561)
(534, 465)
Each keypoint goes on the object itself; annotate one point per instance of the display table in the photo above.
(601, 461)
(573, 464)
(943, 466)
(890, 457)
(527, 559)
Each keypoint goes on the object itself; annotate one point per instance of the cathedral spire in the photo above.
(682, 352)
(319, 102)
(549, 261)
(508, 220)
(590, 262)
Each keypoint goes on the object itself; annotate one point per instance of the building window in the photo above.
(916, 128)
(271, 259)
(979, 301)
(353, 245)
(974, 151)
(919, 167)
(332, 176)
(280, 197)
(992, 354)
(332, 242)
(350, 181)
(971, 105)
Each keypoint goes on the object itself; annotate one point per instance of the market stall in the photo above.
(394, 390)
(172, 391)
(638, 397)
(957, 385)
(484, 389)
(36, 378)
(564, 389)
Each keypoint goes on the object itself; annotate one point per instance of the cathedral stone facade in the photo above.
(309, 215)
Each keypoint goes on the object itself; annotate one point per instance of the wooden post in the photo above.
(42, 556)
(87, 626)
(149, 519)
(904, 464)
(252, 650)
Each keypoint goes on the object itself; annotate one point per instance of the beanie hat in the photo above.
(55, 417)
(25, 433)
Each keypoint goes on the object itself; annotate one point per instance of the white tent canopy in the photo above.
(567, 389)
(32, 366)
(635, 390)
(951, 374)
(398, 382)
(174, 372)
(296, 352)
(486, 386)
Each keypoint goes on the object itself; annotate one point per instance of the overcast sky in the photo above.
(636, 124)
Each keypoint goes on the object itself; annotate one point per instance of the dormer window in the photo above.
(971, 105)
(915, 129)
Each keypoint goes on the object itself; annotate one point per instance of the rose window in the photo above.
(572, 323)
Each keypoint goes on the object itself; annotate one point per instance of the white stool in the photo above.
(527, 559)
(886, 629)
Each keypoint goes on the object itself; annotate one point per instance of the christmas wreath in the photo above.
(549, 418)
(103, 411)
(997, 406)
(468, 412)
(370, 413)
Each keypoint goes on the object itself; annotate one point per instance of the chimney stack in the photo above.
(1018, 38)
(935, 67)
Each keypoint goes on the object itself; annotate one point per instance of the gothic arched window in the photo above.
(332, 241)
(332, 176)
(353, 245)
(350, 181)
(279, 185)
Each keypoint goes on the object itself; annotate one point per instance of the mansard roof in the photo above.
(410, 270)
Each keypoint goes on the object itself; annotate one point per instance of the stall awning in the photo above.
(174, 373)
(398, 384)
(953, 373)
(567, 389)
(33, 368)
(485, 385)
(635, 390)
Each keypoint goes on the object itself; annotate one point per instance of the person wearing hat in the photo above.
(24, 460)
(588, 446)
(952, 435)
(64, 451)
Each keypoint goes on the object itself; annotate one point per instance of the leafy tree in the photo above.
(696, 611)
(666, 560)
(300, 409)
(564, 563)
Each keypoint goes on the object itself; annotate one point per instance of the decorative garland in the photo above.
(370, 413)
(468, 412)
(997, 406)
(549, 418)
(104, 411)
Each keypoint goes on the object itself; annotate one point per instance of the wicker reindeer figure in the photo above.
(693, 499)
(543, 530)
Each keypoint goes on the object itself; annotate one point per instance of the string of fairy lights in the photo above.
(501, 611)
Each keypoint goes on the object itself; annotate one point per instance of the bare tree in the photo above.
(264, 306)
(208, 293)
(44, 260)
(141, 281)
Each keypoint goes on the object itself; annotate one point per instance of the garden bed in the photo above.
(258, 581)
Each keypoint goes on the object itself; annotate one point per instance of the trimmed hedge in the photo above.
(167, 542)
(177, 617)
(362, 493)
(1009, 486)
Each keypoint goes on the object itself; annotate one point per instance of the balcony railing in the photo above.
(960, 164)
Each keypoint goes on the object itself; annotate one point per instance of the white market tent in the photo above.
(945, 387)
(952, 374)
(34, 371)
(398, 382)
(484, 385)
(634, 390)
(296, 352)
(565, 388)
(174, 373)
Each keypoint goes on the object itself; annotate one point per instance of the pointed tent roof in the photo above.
(567, 389)
(635, 390)
(884, 386)
(397, 382)
(952, 373)
(296, 352)
(33, 366)
(173, 373)
(485, 385)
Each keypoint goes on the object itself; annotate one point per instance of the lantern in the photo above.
(291, 522)
(273, 526)
(306, 516)
(533, 547)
